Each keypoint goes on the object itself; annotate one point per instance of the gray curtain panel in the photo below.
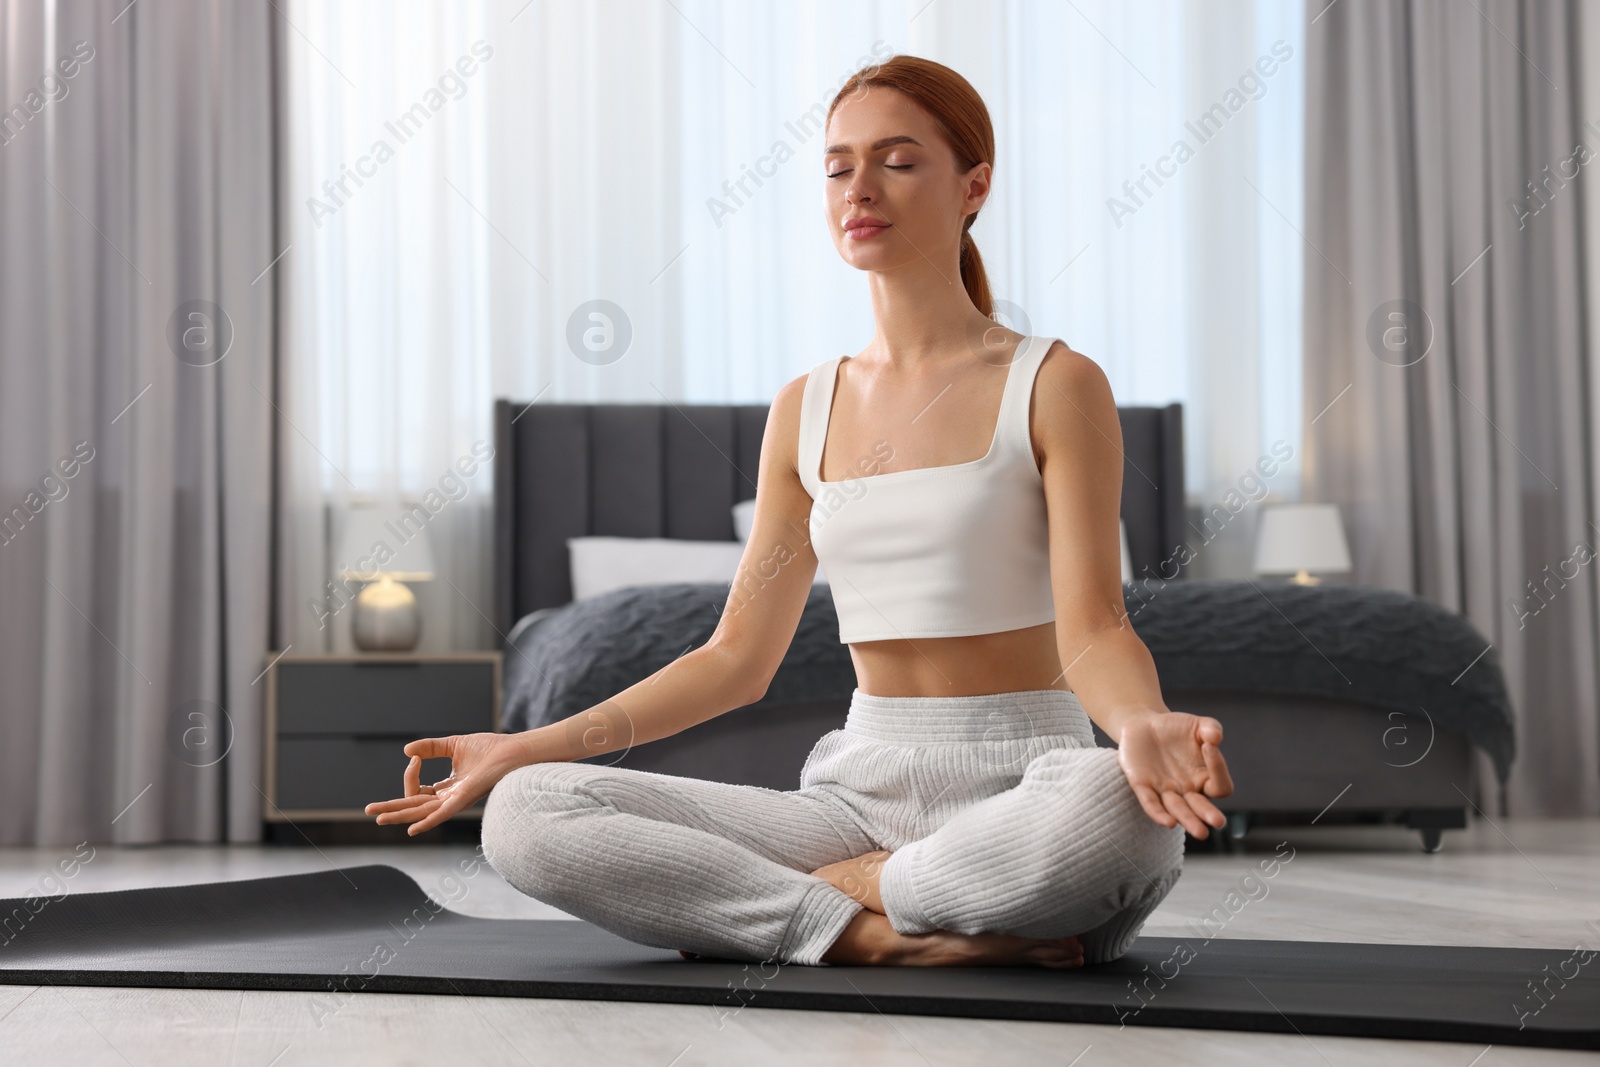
(136, 420)
(1445, 379)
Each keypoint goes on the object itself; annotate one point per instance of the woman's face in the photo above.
(887, 161)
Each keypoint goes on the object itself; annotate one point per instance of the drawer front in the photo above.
(415, 699)
(344, 772)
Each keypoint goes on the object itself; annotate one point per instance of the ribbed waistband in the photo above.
(984, 717)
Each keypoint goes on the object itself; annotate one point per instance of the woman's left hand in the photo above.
(1173, 763)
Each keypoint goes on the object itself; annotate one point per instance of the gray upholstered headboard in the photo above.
(676, 470)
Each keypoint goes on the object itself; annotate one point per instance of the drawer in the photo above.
(344, 772)
(427, 699)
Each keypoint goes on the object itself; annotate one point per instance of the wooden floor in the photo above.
(1517, 882)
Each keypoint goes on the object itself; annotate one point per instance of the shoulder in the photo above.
(1072, 398)
(786, 404)
(1068, 379)
(1067, 369)
(783, 418)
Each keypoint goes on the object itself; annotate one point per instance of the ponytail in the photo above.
(972, 272)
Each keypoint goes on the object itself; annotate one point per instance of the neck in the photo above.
(922, 313)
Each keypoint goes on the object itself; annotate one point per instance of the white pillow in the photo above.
(601, 564)
(744, 518)
(1127, 560)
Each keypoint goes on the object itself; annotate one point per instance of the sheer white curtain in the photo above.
(666, 159)
(388, 370)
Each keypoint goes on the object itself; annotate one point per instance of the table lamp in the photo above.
(385, 549)
(1300, 538)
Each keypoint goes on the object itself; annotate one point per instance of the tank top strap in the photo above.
(816, 400)
(1018, 395)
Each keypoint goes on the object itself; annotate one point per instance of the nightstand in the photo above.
(336, 726)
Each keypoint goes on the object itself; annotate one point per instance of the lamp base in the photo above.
(386, 618)
(1304, 577)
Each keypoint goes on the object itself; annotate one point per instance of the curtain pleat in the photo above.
(1441, 188)
(136, 418)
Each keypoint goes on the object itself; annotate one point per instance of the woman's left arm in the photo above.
(1171, 759)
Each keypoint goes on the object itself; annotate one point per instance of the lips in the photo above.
(858, 229)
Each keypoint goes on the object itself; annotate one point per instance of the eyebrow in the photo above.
(885, 142)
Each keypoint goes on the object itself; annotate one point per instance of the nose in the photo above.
(858, 194)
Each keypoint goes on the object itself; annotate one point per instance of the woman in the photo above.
(960, 484)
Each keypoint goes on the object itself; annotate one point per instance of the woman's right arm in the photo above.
(730, 670)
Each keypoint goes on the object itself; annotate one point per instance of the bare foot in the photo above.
(857, 878)
(869, 939)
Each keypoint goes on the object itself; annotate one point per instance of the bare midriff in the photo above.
(1008, 662)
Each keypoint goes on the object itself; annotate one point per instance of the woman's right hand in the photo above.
(477, 762)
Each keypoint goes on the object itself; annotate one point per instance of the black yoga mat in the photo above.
(373, 929)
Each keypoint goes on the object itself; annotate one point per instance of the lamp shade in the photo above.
(1301, 537)
(392, 541)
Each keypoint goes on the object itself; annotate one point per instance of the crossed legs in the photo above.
(1065, 860)
(1069, 850)
(714, 869)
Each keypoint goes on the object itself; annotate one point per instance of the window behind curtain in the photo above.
(663, 157)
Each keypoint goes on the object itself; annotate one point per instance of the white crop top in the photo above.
(942, 551)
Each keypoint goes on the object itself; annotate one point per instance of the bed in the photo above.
(1338, 702)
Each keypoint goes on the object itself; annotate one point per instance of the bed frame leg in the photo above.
(1433, 822)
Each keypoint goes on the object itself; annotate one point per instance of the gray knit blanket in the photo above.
(1377, 647)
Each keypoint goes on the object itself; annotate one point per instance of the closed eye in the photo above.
(890, 166)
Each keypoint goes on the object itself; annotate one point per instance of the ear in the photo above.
(977, 181)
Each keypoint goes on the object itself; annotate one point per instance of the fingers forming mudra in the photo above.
(477, 762)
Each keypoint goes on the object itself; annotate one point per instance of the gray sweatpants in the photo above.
(1001, 813)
